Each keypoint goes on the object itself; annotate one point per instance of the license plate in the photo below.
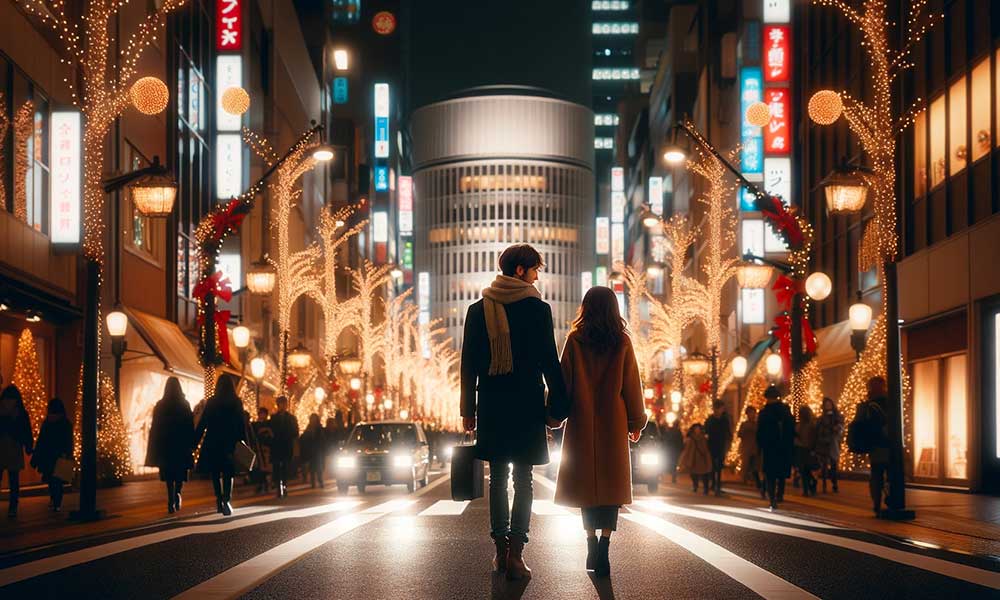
(373, 476)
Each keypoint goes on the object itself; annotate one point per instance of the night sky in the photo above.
(458, 44)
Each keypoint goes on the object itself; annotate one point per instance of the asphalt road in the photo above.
(388, 544)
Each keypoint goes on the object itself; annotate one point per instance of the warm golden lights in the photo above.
(825, 107)
(758, 114)
(235, 100)
(149, 95)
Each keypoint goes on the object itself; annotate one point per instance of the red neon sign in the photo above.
(777, 59)
(228, 26)
(778, 132)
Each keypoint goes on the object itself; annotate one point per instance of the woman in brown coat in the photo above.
(602, 381)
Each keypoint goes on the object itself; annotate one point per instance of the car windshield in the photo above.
(376, 435)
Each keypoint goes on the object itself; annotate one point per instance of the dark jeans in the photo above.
(718, 462)
(316, 472)
(829, 471)
(55, 491)
(876, 483)
(775, 487)
(604, 518)
(14, 478)
(705, 479)
(503, 521)
(281, 471)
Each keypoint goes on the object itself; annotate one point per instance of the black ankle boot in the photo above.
(227, 495)
(177, 494)
(591, 552)
(602, 568)
(170, 497)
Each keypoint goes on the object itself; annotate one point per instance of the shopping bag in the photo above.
(468, 475)
(64, 469)
(243, 457)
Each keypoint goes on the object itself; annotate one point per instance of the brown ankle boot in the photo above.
(516, 569)
(500, 560)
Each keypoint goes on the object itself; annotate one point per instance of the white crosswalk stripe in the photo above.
(444, 508)
(762, 513)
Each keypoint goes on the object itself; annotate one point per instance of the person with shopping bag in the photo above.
(508, 349)
(224, 428)
(171, 441)
(53, 456)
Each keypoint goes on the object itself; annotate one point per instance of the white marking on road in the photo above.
(548, 508)
(444, 508)
(920, 561)
(761, 513)
(62, 561)
(758, 580)
(241, 512)
(546, 482)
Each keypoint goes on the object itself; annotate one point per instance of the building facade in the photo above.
(494, 167)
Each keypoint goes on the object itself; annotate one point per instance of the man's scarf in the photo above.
(503, 290)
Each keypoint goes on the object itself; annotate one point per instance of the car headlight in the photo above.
(648, 459)
(402, 461)
(346, 462)
(556, 456)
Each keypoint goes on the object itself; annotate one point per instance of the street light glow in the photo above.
(241, 336)
(341, 59)
(818, 286)
(117, 323)
(257, 368)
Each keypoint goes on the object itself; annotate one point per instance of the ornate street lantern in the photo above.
(696, 364)
(257, 368)
(773, 364)
(846, 191)
(299, 357)
(753, 276)
(739, 367)
(261, 278)
(154, 195)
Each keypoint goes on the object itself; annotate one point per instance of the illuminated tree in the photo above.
(368, 281)
(4, 126)
(336, 314)
(669, 319)
(639, 328)
(28, 380)
(114, 461)
(24, 130)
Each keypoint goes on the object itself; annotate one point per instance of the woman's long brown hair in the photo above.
(598, 323)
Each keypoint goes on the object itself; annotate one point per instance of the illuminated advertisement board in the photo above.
(617, 242)
(382, 120)
(751, 90)
(617, 179)
(380, 227)
(405, 205)
(65, 177)
(228, 166)
(777, 11)
(656, 195)
(617, 207)
(778, 133)
(603, 239)
(381, 175)
(777, 53)
(228, 73)
(228, 26)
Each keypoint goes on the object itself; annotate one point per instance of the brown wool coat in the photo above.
(606, 397)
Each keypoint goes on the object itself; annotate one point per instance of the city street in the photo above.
(390, 544)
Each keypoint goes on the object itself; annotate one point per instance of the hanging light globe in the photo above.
(825, 107)
(773, 364)
(696, 364)
(299, 357)
(758, 114)
(235, 100)
(261, 278)
(846, 191)
(819, 286)
(149, 95)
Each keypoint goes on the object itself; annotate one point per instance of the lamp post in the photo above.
(773, 365)
(859, 315)
(257, 369)
(739, 368)
(117, 322)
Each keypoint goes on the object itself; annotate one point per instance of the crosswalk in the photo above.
(680, 527)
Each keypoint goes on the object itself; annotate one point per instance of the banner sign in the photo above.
(228, 73)
(603, 236)
(751, 90)
(405, 205)
(381, 178)
(228, 26)
(65, 177)
(777, 53)
(381, 120)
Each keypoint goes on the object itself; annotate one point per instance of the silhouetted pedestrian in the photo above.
(606, 411)
(55, 441)
(171, 441)
(719, 430)
(15, 440)
(223, 426)
(696, 458)
(805, 445)
(313, 444)
(829, 434)
(284, 434)
(262, 466)
(749, 451)
(776, 439)
(673, 441)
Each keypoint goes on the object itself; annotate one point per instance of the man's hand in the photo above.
(553, 424)
(633, 436)
(469, 424)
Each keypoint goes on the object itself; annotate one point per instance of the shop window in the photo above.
(925, 401)
(937, 139)
(940, 418)
(980, 109)
(37, 178)
(956, 412)
(958, 148)
(920, 155)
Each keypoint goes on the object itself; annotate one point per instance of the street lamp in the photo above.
(261, 278)
(818, 286)
(773, 364)
(753, 275)
(241, 339)
(696, 364)
(859, 315)
(299, 357)
(319, 393)
(323, 153)
(257, 369)
(117, 322)
(846, 190)
(739, 367)
(341, 59)
(153, 193)
(674, 154)
(675, 400)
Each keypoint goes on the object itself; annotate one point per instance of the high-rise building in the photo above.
(493, 167)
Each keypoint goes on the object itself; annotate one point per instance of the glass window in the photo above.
(752, 238)
(937, 142)
(980, 109)
(956, 412)
(920, 155)
(957, 128)
(925, 426)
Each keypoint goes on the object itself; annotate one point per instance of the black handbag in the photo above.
(468, 475)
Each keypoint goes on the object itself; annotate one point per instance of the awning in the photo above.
(833, 345)
(164, 340)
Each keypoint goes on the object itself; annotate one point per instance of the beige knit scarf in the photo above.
(503, 290)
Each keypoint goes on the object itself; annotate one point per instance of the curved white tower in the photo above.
(494, 167)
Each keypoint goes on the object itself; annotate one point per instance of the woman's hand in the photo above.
(633, 436)
(553, 424)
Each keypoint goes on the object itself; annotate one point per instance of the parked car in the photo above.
(649, 458)
(383, 453)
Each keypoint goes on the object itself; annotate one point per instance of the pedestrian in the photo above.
(55, 441)
(313, 445)
(805, 448)
(334, 432)
(15, 440)
(223, 426)
(776, 439)
(829, 433)
(719, 430)
(673, 442)
(284, 433)
(871, 415)
(508, 347)
(262, 466)
(171, 441)
(749, 451)
(696, 458)
(606, 412)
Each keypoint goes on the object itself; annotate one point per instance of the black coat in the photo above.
(54, 440)
(284, 432)
(171, 439)
(313, 443)
(510, 409)
(223, 425)
(720, 434)
(776, 438)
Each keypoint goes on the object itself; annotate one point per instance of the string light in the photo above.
(825, 107)
(758, 114)
(24, 130)
(4, 126)
(28, 380)
(235, 100)
(367, 282)
(149, 95)
(336, 314)
(114, 461)
(639, 329)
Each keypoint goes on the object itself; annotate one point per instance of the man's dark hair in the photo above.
(519, 255)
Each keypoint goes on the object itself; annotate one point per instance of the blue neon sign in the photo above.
(381, 178)
(751, 137)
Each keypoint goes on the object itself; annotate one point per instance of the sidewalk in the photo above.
(956, 521)
(134, 504)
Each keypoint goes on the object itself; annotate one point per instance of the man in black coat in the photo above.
(776, 440)
(719, 429)
(507, 349)
(284, 432)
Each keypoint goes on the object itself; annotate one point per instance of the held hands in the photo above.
(633, 436)
(469, 424)
(554, 424)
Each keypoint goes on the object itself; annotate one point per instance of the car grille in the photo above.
(373, 460)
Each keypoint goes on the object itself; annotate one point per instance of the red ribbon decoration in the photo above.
(705, 387)
(219, 285)
(290, 381)
(227, 219)
(221, 331)
(785, 289)
(783, 331)
(785, 222)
